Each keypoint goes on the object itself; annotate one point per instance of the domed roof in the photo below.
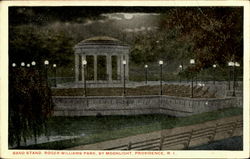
(101, 40)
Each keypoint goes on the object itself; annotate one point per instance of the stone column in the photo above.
(109, 67)
(95, 68)
(83, 58)
(118, 58)
(76, 67)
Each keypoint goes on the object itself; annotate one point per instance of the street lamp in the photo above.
(22, 64)
(181, 67)
(192, 62)
(214, 66)
(236, 64)
(84, 63)
(54, 66)
(146, 73)
(161, 63)
(236, 73)
(230, 64)
(33, 63)
(46, 63)
(28, 65)
(13, 64)
(124, 78)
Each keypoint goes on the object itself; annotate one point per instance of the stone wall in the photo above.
(133, 105)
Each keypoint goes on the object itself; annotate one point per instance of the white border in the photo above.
(5, 153)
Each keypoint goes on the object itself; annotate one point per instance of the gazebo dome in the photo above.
(101, 40)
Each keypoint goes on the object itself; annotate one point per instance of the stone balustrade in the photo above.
(134, 105)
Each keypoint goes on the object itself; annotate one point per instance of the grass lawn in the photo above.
(111, 127)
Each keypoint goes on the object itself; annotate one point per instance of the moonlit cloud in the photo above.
(145, 14)
(149, 28)
(101, 21)
(126, 16)
(88, 22)
(113, 16)
(128, 30)
(140, 29)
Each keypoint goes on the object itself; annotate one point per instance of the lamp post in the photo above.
(236, 64)
(84, 63)
(46, 63)
(192, 62)
(54, 67)
(33, 63)
(146, 73)
(236, 73)
(124, 78)
(214, 66)
(230, 64)
(181, 67)
(13, 64)
(28, 65)
(22, 64)
(161, 63)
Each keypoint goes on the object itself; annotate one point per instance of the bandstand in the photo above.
(112, 50)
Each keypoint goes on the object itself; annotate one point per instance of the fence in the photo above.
(184, 139)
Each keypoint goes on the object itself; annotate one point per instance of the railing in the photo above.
(183, 139)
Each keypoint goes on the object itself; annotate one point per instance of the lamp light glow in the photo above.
(230, 63)
(192, 61)
(46, 62)
(237, 64)
(33, 63)
(160, 62)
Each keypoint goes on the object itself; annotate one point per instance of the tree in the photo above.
(32, 43)
(30, 104)
(217, 32)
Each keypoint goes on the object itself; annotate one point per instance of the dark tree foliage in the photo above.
(33, 43)
(217, 32)
(165, 45)
(30, 104)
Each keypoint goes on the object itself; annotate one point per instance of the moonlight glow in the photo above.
(128, 16)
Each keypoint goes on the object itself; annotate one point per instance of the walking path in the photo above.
(141, 137)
